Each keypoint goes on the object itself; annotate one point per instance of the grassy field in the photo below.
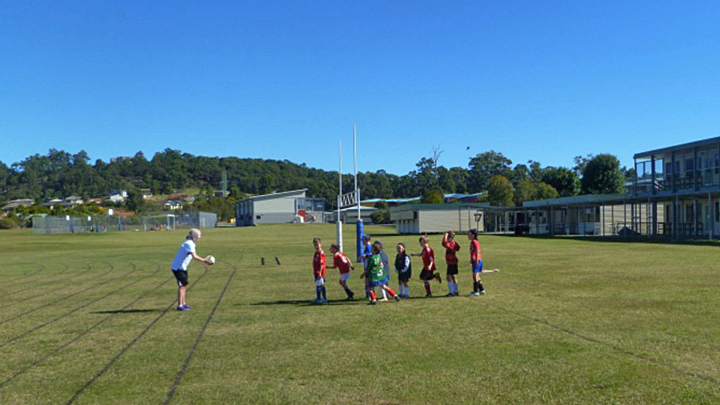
(90, 319)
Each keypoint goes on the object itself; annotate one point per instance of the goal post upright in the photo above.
(339, 201)
(359, 223)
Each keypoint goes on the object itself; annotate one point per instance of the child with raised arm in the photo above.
(319, 265)
(428, 258)
(451, 249)
(341, 262)
(179, 266)
(403, 267)
(378, 275)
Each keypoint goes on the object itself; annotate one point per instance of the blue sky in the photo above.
(542, 80)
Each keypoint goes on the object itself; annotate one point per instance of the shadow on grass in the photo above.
(129, 311)
(308, 303)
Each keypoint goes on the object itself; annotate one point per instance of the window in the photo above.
(717, 211)
(258, 217)
(689, 165)
(668, 168)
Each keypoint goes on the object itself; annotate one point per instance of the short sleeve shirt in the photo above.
(319, 263)
(184, 255)
(341, 262)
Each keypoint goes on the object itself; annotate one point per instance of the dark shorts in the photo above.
(181, 276)
(404, 277)
(452, 269)
(427, 275)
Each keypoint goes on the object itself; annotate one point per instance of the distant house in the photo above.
(15, 204)
(52, 203)
(119, 159)
(173, 205)
(73, 201)
(118, 196)
(96, 201)
(147, 194)
(182, 197)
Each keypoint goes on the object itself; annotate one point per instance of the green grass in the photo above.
(566, 321)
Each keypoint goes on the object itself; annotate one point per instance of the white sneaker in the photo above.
(383, 300)
(475, 294)
(482, 292)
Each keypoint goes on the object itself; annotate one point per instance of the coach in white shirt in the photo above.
(179, 266)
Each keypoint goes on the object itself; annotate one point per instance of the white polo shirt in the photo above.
(184, 255)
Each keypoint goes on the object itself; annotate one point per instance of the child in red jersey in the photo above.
(340, 261)
(428, 258)
(476, 263)
(451, 249)
(319, 265)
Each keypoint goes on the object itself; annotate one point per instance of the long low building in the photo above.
(437, 218)
(279, 208)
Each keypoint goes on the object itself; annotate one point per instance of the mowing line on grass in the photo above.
(41, 268)
(76, 338)
(129, 345)
(63, 298)
(617, 348)
(185, 365)
(50, 282)
(20, 336)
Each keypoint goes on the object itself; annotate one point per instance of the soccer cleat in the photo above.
(428, 295)
(322, 301)
(475, 294)
(186, 306)
(373, 302)
(482, 292)
(384, 299)
(181, 308)
(350, 298)
(449, 294)
(397, 298)
(438, 278)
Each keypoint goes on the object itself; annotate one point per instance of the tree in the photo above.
(500, 192)
(381, 216)
(433, 196)
(602, 175)
(545, 191)
(485, 166)
(562, 179)
(524, 191)
(519, 173)
(581, 162)
(135, 201)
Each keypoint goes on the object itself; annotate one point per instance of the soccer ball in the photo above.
(212, 259)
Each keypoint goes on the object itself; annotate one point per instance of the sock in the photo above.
(475, 286)
(324, 292)
(427, 289)
(455, 286)
(480, 286)
(400, 288)
(407, 291)
(318, 292)
(372, 295)
(390, 291)
(451, 290)
(384, 294)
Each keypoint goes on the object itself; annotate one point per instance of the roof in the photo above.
(574, 200)
(439, 207)
(274, 195)
(705, 142)
(390, 200)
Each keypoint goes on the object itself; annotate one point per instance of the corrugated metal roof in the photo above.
(575, 200)
(681, 146)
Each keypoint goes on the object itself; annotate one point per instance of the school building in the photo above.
(279, 208)
(675, 193)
